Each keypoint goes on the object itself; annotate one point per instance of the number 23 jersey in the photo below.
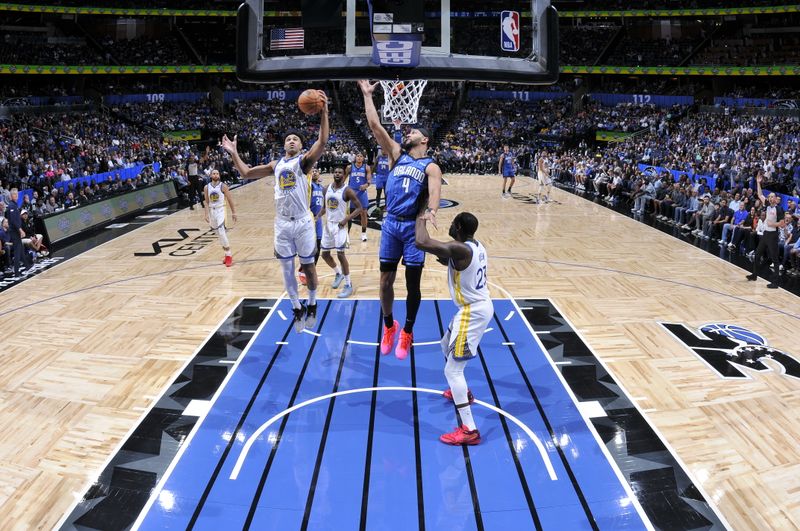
(470, 286)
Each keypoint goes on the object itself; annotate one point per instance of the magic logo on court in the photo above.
(733, 351)
(376, 223)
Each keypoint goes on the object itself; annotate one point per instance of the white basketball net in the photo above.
(401, 100)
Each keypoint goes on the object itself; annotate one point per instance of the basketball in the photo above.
(310, 102)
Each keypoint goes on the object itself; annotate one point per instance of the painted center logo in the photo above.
(732, 350)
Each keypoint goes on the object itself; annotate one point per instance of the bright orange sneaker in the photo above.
(462, 435)
(449, 396)
(387, 342)
(404, 345)
(302, 277)
(228, 261)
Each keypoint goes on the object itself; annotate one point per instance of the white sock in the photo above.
(312, 297)
(290, 281)
(337, 270)
(465, 412)
(454, 373)
(228, 252)
(347, 280)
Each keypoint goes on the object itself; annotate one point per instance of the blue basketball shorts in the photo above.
(363, 198)
(397, 240)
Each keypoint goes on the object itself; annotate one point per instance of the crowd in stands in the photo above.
(39, 150)
(582, 45)
(634, 50)
(164, 50)
(25, 49)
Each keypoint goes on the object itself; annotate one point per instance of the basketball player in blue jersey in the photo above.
(359, 176)
(467, 277)
(507, 167)
(381, 173)
(295, 233)
(316, 208)
(414, 183)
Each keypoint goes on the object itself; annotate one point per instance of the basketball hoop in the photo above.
(401, 100)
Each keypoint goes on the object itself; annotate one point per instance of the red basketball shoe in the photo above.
(449, 395)
(462, 435)
(387, 342)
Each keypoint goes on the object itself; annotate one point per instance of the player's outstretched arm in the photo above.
(434, 173)
(387, 143)
(444, 251)
(318, 148)
(350, 195)
(245, 171)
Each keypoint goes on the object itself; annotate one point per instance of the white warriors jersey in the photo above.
(336, 207)
(216, 199)
(292, 188)
(470, 285)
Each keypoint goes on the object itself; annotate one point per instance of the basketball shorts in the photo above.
(397, 240)
(507, 174)
(380, 181)
(363, 199)
(466, 330)
(544, 178)
(334, 237)
(295, 237)
(216, 217)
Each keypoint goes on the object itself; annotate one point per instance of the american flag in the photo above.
(286, 38)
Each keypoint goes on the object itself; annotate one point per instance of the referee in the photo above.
(769, 241)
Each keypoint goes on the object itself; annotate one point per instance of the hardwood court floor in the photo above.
(88, 345)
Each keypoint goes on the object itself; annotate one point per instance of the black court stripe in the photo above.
(320, 452)
(254, 504)
(417, 450)
(586, 509)
(470, 476)
(362, 526)
(522, 479)
(224, 455)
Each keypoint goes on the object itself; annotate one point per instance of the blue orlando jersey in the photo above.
(358, 176)
(406, 186)
(508, 163)
(382, 167)
(317, 200)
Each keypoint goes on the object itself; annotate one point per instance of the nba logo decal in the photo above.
(509, 31)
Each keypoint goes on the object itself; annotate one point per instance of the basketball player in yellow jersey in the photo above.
(467, 277)
(295, 233)
(217, 194)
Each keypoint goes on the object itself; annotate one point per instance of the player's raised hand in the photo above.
(366, 87)
(324, 98)
(228, 145)
(430, 215)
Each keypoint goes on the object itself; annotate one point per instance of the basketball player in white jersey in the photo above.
(338, 197)
(543, 173)
(217, 194)
(467, 277)
(294, 224)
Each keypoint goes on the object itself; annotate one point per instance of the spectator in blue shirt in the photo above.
(738, 219)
